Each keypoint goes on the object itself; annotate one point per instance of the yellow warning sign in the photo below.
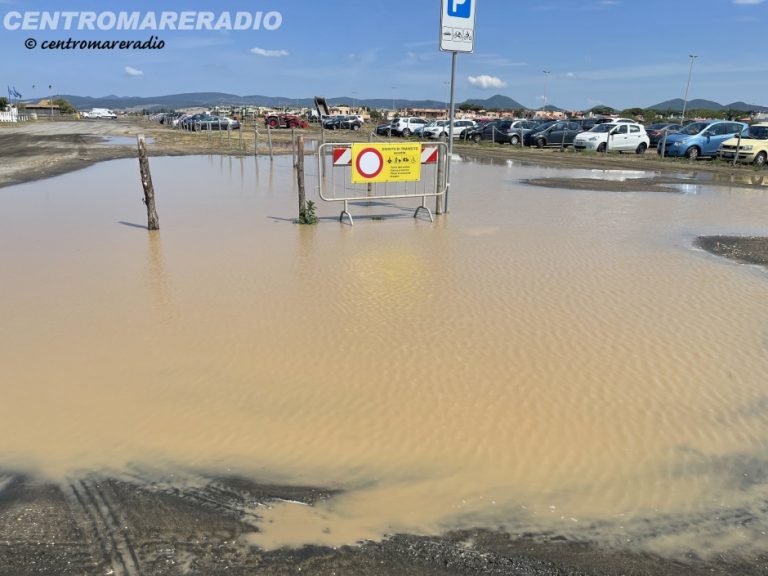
(386, 163)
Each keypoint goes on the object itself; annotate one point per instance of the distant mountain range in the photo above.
(205, 99)
(676, 105)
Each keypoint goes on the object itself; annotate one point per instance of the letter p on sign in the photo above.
(459, 8)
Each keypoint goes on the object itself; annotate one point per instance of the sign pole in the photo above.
(451, 115)
(457, 34)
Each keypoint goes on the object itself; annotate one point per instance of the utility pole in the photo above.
(687, 85)
(546, 80)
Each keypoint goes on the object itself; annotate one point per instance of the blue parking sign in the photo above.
(460, 8)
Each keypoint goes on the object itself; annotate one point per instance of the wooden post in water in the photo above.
(255, 140)
(300, 177)
(269, 139)
(738, 148)
(153, 222)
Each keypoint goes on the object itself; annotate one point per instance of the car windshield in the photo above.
(603, 127)
(759, 132)
(657, 126)
(693, 129)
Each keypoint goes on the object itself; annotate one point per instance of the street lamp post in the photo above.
(393, 100)
(50, 98)
(546, 79)
(687, 85)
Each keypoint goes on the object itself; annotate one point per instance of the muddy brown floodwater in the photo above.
(538, 361)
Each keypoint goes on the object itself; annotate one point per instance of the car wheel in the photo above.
(355, 127)
(540, 143)
(477, 138)
(406, 133)
(272, 123)
(292, 125)
(514, 141)
(443, 136)
(601, 147)
(641, 148)
(760, 159)
(692, 153)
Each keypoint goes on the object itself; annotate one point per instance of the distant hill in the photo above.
(497, 102)
(744, 107)
(205, 99)
(208, 99)
(676, 105)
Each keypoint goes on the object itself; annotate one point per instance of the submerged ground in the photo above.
(572, 282)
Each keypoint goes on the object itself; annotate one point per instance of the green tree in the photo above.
(3, 103)
(375, 114)
(64, 106)
(605, 110)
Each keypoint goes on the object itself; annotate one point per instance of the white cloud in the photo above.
(269, 53)
(484, 81)
(131, 71)
(748, 2)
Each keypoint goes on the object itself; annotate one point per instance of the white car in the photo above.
(407, 126)
(441, 128)
(619, 136)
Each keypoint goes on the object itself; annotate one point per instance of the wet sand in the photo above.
(144, 521)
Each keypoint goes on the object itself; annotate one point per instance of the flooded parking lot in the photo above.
(539, 359)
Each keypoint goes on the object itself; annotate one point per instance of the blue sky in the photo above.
(617, 52)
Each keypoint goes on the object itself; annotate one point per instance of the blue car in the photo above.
(701, 138)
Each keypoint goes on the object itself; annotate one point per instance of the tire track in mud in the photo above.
(92, 505)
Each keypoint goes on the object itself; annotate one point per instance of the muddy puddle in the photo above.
(538, 359)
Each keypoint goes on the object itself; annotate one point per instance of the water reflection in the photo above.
(536, 359)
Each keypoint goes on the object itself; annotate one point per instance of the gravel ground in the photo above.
(147, 526)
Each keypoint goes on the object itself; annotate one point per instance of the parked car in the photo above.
(585, 123)
(515, 133)
(495, 131)
(624, 137)
(701, 138)
(442, 127)
(193, 121)
(407, 126)
(384, 129)
(422, 131)
(342, 122)
(656, 131)
(557, 133)
(219, 123)
(608, 120)
(752, 148)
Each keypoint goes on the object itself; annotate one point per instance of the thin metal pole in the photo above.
(450, 131)
(687, 85)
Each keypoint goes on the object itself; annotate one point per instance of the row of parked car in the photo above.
(708, 138)
(203, 121)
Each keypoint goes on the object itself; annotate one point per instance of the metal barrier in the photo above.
(335, 178)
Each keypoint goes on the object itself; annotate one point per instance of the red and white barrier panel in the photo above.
(428, 154)
(342, 156)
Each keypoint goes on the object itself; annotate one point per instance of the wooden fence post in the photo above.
(300, 177)
(153, 222)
